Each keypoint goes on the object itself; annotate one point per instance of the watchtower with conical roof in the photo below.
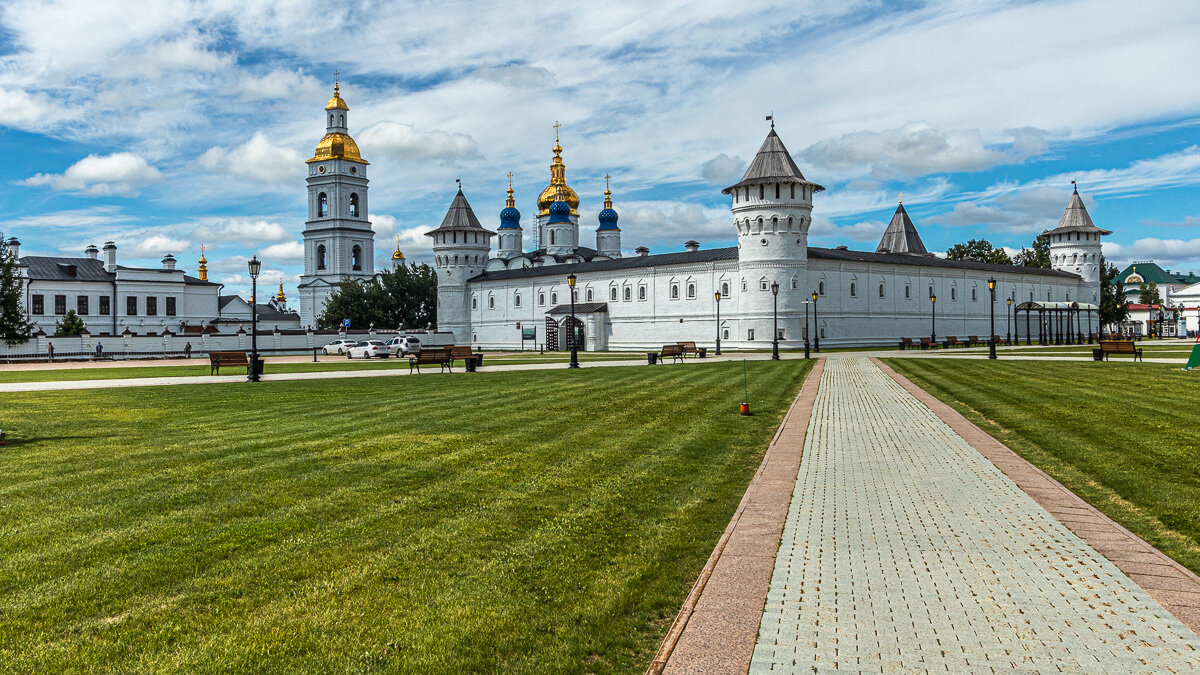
(339, 243)
(460, 251)
(772, 211)
(1075, 246)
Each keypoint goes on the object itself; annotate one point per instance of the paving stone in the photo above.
(906, 550)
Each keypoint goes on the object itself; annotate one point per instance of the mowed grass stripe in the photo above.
(531, 521)
(1123, 438)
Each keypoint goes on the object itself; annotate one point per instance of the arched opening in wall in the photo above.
(881, 290)
(821, 288)
(795, 283)
(322, 205)
(551, 334)
(974, 295)
(852, 289)
(724, 290)
(542, 299)
(641, 292)
(331, 119)
(517, 300)
(588, 294)
(574, 333)
(628, 294)
(612, 293)
(474, 303)
(491, 302)
(907, 292)
(341, 120)
(953, 293)
(691, 291)
(356, 258)
(455, 260)
(552, 237)
(553, 298)
(320, 256)
(674, 291)
(353, 204)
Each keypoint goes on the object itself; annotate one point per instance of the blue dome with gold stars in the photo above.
(560, 212)
(510, 218)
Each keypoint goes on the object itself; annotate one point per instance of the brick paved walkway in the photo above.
(905, 550)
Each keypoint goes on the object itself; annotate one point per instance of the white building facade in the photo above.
(862, 297)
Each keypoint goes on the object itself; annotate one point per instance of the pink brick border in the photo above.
(717, 626)
(1172, 585)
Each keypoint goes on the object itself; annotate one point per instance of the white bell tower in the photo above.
(339, 243)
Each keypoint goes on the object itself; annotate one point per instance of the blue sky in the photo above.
(166, 125)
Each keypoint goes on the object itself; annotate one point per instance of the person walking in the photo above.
(99, 351)
(187, 350)
(50, 350)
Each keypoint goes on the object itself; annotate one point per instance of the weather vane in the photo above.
(458, 181)
(771, 119)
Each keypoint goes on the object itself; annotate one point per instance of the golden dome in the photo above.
(397, 255)
(280, 296)
(336, 145)
(336, 103)
(557, 190)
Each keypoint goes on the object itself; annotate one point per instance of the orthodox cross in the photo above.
(606, 177)
(510, 175)
(556, 128)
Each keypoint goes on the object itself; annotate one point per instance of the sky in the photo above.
(167, 125)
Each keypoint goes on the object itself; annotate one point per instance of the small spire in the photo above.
(458, 181)
(607, 193)
(1074, 187)
(280, 296)
(203, 271)
(510, 203)
(336, 79)
(901, 197)
(557, 126)
(771, 119)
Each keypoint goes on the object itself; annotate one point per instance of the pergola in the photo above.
(1057, 323)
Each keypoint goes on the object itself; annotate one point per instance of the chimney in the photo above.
(641, 251)
(110, 257)
(14, 248)
(168, 262)
(691, 246)
(91, 252)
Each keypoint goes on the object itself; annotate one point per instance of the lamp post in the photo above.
(1159, 326)
(774, 321)
(1008, 322)
(806, 303)
(816, 330)
(992, 312)
(255, 266)
(932, 321)
(574, 331)
(718, 352)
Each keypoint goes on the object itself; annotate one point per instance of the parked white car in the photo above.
(338, 347)
(404, 345)
(366, 349)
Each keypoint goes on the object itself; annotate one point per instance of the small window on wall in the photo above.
(474, 303)
(822, 331)
(641, 292)
(795, 283)
(763, 285)
(38, 304)
(60, 304)
(724, 333)
(553, 298)
(81, 305)
(588, 294)
(974, 295)
(170, 306)
(542, 299)
(743, 284)
(517, 300)
(953, 293)
(105, 308)
(852, 293)
(881, 290)
(628, 294)
(612, 294)
(749, 333)
(691, 291)
(907, 292)
(131, 306)
(674, 291)
(821, 288)
(491, 303)
(724, 289)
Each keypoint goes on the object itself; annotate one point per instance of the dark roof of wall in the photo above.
(52, 268)
(730, 253)
(901, 235)
(1076, 219)
(460, 216)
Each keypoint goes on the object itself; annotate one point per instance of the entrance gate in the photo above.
(551, 334)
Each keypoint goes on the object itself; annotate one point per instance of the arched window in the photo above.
(628, 294)
(353, 205)
(517, 300)
(852, 289)
(320, 256)
(953, 293)
(612, 293)
(881, 290)
(761, 191)
(551, 237)
(674, 291)
(588, 294)
(724, 289)
(474, 303)
(907, 292)
(691, 291)
(641, 292)
(974, 295)
(795, 283)
(491, 302)
(743, 284)
(330, 119)
(541, 298)
(341, 120)
(821, 288)
(356, 257)
(322, 205)
(553, 298)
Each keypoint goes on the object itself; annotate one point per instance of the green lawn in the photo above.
(1125, 439)
(519, 521)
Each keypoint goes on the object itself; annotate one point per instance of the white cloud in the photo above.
(277, 84)
(245, 231)
(283, 253)
(121, 173)
(723, 170)
(517, 77)
(89, 219)
(159, 245)
(405, 142)
(258, 159)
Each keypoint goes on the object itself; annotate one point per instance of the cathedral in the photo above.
(495, 288)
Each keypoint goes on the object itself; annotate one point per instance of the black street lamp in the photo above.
(932, 320)
(992, 312)
(816, 330)
(806, 303)
(1008, 322)
(718, 296)
(574, 331)
(255, 266)
(774, 321)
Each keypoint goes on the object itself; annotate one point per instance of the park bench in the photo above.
(430, 356)
(675, 352)
(973, 340)
(996, 339)
(690, 348)
(1116, 347)
(927, 343)
(906, 343)
(460, 352)
(218, 359)
(952, 341)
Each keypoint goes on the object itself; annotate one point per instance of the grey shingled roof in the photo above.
(772, 164)
(1076, 219)
(580, 308)
(53, 268)
(460, 216)
(730, 253)
(901, 235)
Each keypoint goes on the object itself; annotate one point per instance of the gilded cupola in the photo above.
(557, 190)
(337, 143)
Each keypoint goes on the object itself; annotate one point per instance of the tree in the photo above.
(70, 324)
(1148, 294)
(404, 296)
(981, 250)
(1037, 255)
(15, 327)
(1114, 309)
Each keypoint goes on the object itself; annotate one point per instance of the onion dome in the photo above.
(203, 271)
(397, 255)
(280, 297)
(608, 216)
(557, 190)
(336, 145)
(560, 212)
(336, 103)
(510, 217)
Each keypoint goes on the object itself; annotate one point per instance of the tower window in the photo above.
(551, 237)
(777, 191)
(322, 205)
(762, 191)
(331, 119)
(341, 120)
(793, 190)
(356, 257)
(321, 256)
(353, 205)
